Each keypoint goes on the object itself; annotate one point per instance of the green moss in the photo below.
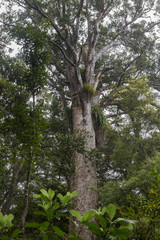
(87, 88)
(99, 117)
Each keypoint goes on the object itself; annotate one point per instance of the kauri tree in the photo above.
(91, 44)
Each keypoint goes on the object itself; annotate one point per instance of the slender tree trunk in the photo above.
(84, 176)
(26, 196)
(6, 206)
(26, 191)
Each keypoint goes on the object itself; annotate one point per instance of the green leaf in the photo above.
(65, 200)
(33, 225)
(93, 228)
(8, 220)
(10, 217)
(16, 233)
(60, 196)
(152, 174)
(126, 225)
(111, 211)
(88, 216)
(55, 206)
(58, 231)
(44, 192)
(155, 168)
(121, 233)
(44, 226)
(102, 221)
(103, 210)
(73, 194)
(51, 194)
(76, 214)
(49, 213)
(44, 198)
(36, 196)
(40, 213)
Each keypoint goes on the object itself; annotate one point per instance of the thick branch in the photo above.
(99, 75)
(63, 52)
(78, 18)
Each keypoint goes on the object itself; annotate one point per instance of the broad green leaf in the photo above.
(36, 196)
(55, 206)
(44, 226)
(45, 206)
(65, 200)
(152, 174)
(76, 214)
(4, 221)
(60, 196)
(102, 221)
(44, 192)
(10, 217)
(111, 211)
(33, 225)
(49, 213)
(121, 233)
(126, 225)
(103, 210)
(16, 233)
(44, 198)
(40, 213)
(73, 194)
(93, 228)
(88, 216)
(51, 194)
(155, 168)
(58, 231)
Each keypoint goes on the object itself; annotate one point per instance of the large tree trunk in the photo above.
(84, 176)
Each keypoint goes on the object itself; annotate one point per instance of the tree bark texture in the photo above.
(6, 206)
(84, 175)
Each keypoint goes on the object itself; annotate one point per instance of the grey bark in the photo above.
(7, 204)
(84, 176)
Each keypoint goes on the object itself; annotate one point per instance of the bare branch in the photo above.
(102, 14)
(109, 9)
(63, 52)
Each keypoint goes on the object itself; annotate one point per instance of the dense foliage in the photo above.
(81, 94)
